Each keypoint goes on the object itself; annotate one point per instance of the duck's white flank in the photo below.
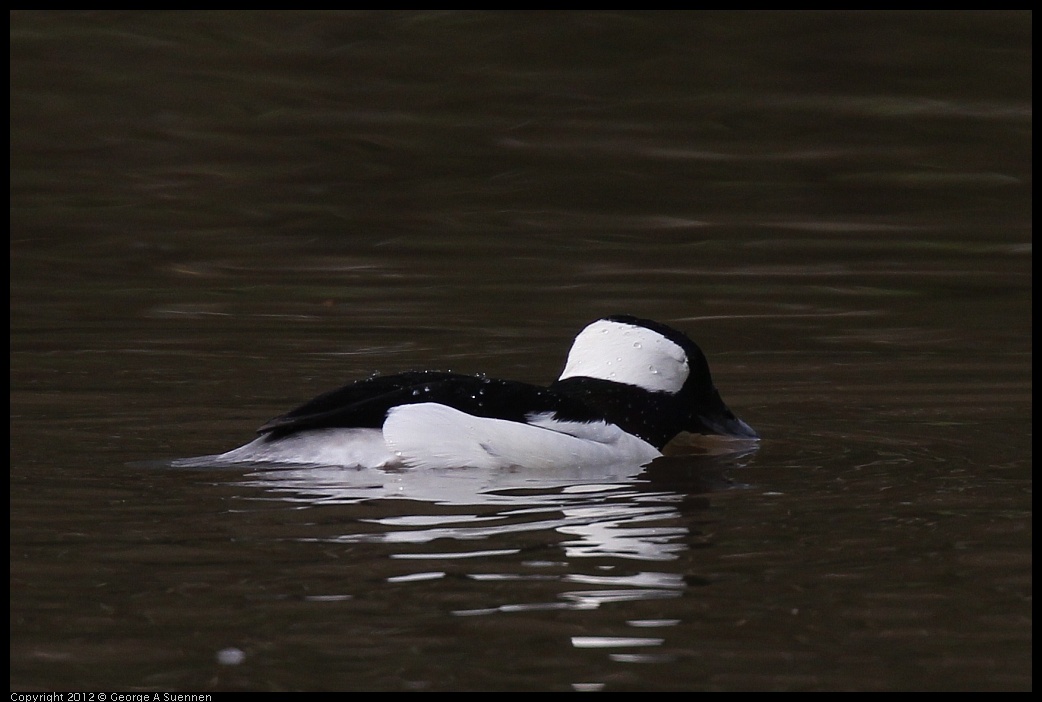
(605, 350)
(430, 435)
(328, 447)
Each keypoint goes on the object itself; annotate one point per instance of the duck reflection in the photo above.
(620, 511)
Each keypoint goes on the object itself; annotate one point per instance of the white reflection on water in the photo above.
(642, 586)
(481, 525)
(617, 511)
(613, 641)
(324, 485)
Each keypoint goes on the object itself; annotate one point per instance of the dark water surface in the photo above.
(216, 216)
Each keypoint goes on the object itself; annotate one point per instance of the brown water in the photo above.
(216, 216)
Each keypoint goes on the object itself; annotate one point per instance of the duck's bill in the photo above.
(721, 421)
(731, 427)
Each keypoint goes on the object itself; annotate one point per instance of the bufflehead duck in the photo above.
(629, 386)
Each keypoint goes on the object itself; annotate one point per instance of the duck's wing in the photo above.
(367, 402)
(355, 405)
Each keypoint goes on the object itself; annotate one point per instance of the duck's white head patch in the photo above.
(627, 353)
